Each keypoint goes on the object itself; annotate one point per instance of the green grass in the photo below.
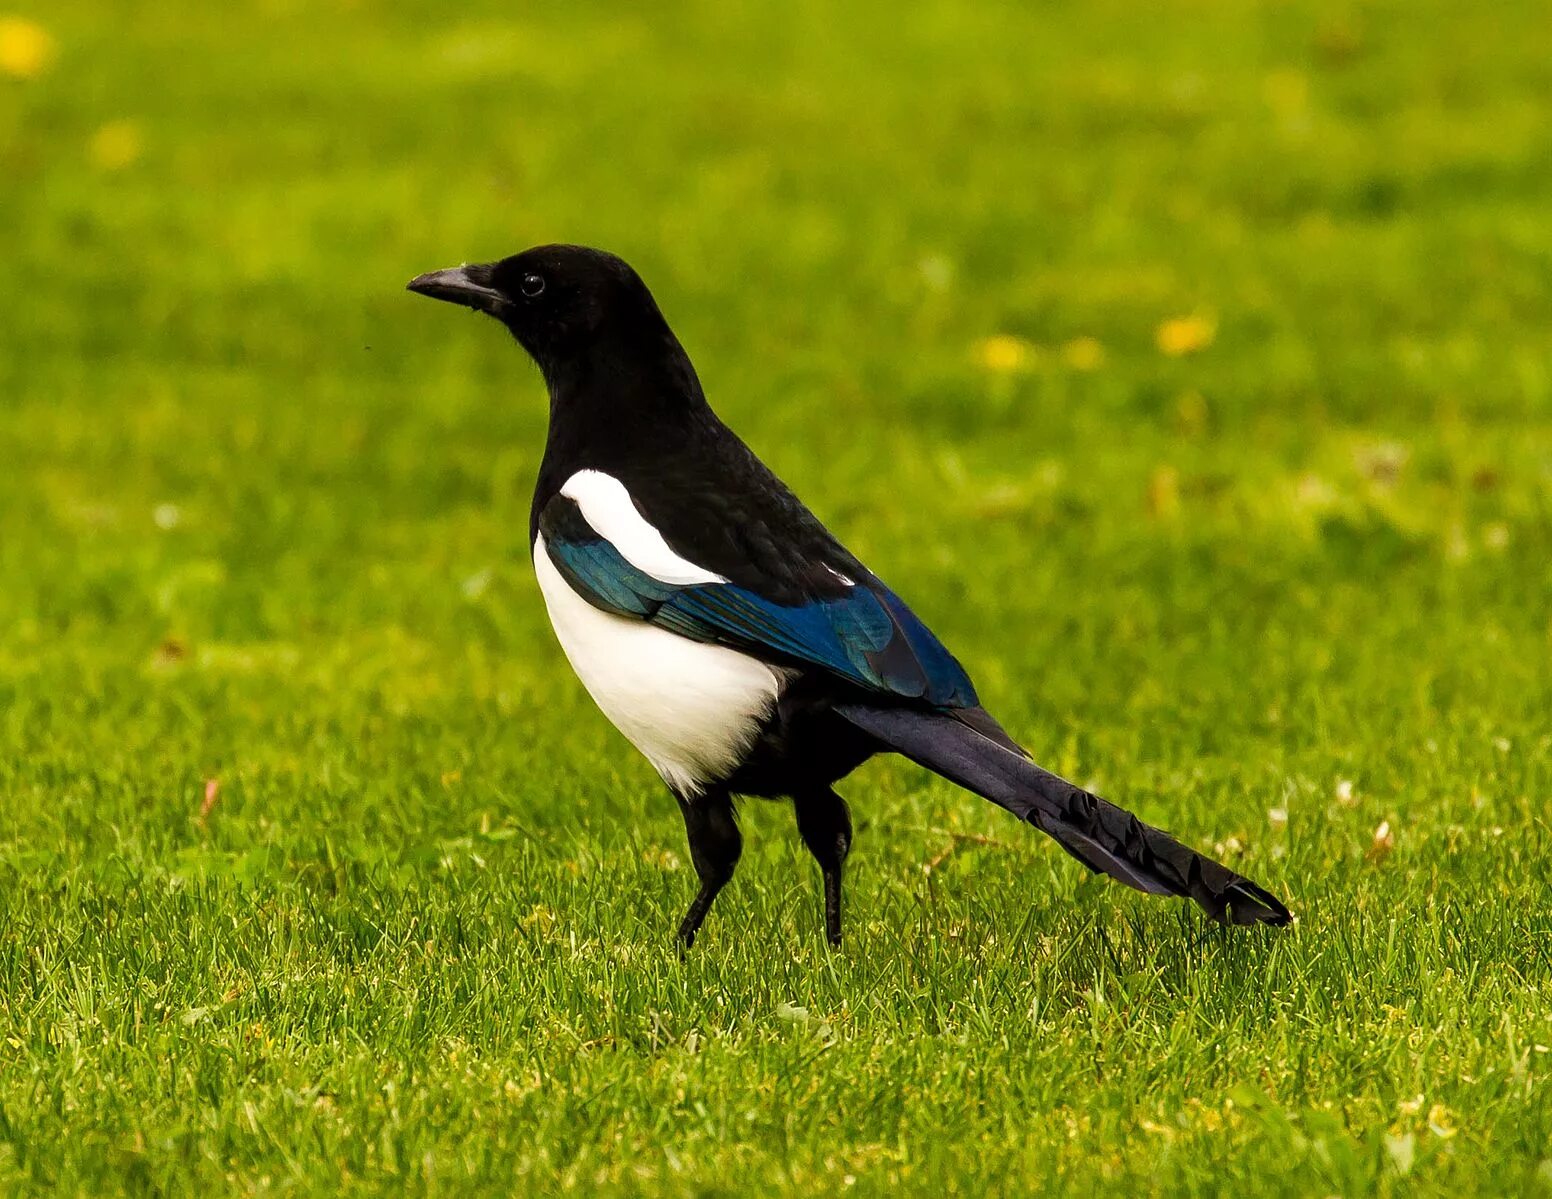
(263, 520)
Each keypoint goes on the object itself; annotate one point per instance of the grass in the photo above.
(263, 522)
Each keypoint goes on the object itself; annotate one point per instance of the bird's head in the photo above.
(558, 301)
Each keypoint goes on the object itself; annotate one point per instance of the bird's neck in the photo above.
(629, 399)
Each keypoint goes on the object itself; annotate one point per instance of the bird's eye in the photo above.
(532, 285)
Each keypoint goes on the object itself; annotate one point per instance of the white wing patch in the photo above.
(692, 709)
(608, 507)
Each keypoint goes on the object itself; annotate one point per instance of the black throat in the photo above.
(630, 397)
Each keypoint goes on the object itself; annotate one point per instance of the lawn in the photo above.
(1185, 365)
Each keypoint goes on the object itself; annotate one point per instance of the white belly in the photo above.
(692, 709)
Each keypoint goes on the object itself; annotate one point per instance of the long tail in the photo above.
(968, 747)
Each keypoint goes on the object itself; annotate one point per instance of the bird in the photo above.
(727, 633)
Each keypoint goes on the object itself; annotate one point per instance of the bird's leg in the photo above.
(715, 844)
(825, 826)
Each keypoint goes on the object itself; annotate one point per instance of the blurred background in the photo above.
(1194, 342)
(1185, 364)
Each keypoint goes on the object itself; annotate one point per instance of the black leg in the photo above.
(715, 844)
(825, 825)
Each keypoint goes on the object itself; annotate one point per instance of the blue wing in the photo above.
(865, 635)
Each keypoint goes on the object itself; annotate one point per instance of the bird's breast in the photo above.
(692, 709)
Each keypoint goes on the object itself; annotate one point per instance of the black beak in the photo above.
(466, 285)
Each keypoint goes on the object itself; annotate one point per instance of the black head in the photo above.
(558, 301)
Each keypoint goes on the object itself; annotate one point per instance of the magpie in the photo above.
(726, 632)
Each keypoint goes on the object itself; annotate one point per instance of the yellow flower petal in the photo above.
(1164, 492)
(116, 145)
(1003, 354)
(26, 48)
(1186, 334)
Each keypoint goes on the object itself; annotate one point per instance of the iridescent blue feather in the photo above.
(866, 636)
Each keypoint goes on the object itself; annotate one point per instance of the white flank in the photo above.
(692, 709)
(608, 507)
